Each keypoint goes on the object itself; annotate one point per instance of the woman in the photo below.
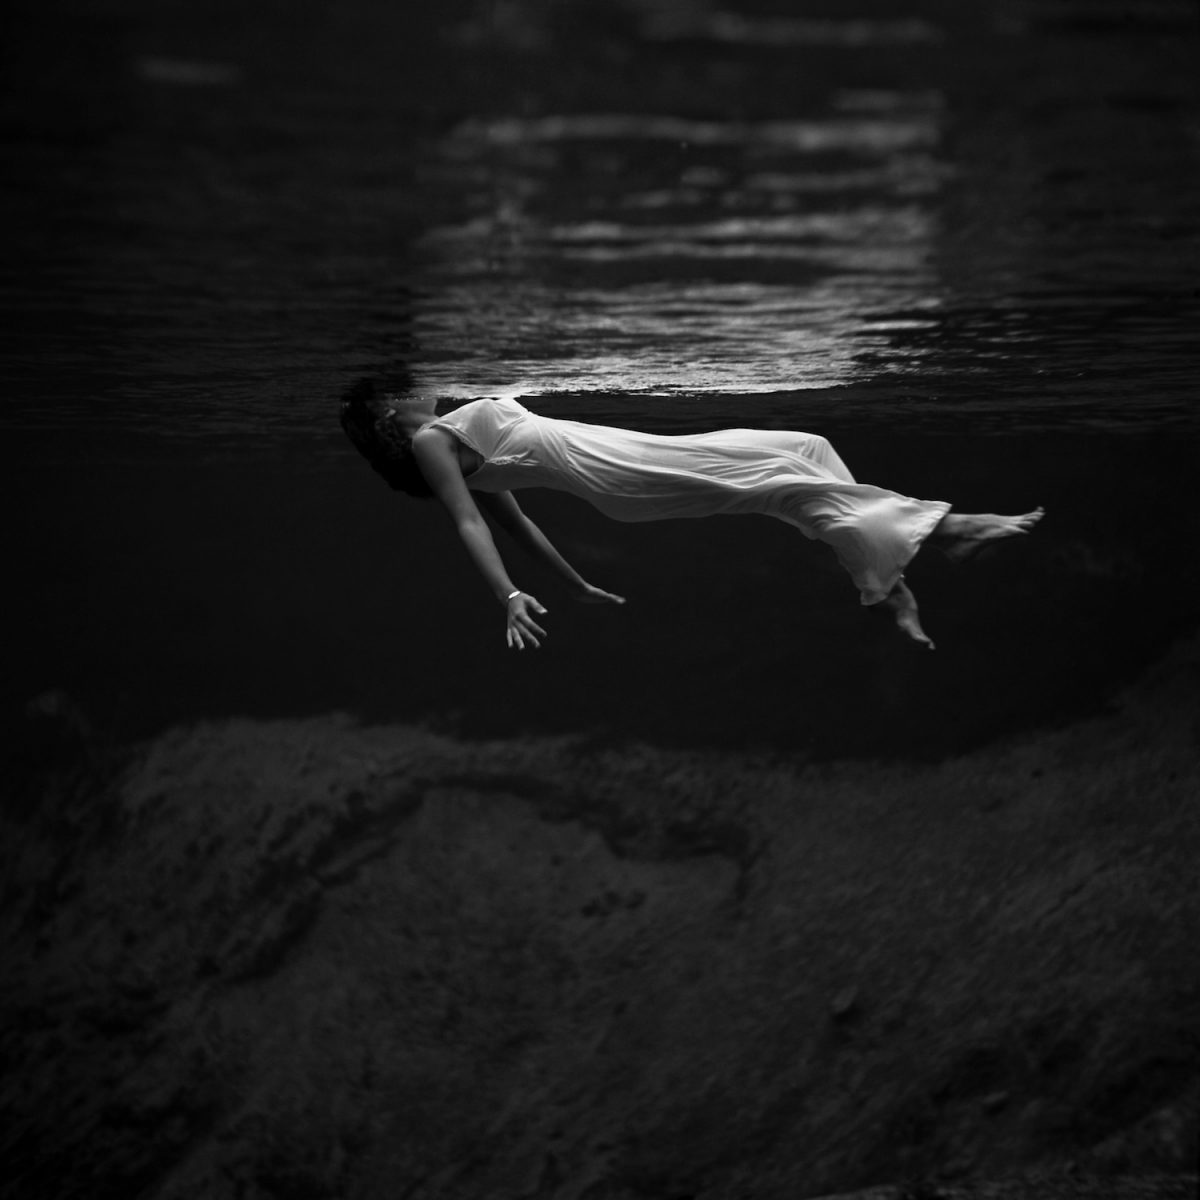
(476, 456)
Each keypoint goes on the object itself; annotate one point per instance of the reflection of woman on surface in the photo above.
(477, 455)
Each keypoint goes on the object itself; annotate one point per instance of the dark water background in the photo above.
(959, 239)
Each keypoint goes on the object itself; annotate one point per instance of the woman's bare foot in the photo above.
(960, 535)
(902, 604)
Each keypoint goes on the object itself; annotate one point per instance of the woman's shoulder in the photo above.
(483, 424)
(486, 410)
(495, 404)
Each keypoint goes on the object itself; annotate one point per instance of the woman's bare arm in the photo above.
(507, 513)
(437, 457)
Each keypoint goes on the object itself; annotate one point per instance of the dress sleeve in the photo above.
(481, 424)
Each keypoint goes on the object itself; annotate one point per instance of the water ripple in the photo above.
(951, 220)
(673, 22)
(799, 135)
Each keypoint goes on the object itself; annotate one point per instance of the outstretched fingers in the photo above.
(522, 628)
(517, 638)
(599, 596)
(588, 593)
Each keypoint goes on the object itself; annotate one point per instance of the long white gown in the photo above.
(795, 477)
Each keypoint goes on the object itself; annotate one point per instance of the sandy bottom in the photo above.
(308, 958)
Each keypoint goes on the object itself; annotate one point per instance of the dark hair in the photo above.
(371, 424)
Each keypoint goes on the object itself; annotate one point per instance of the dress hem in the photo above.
(931, 519)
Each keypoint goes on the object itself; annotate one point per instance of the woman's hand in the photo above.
(522, 627)
(585, 593)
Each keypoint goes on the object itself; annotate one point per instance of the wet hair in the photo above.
(372, 425)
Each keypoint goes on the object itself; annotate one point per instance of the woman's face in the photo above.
(413, 411)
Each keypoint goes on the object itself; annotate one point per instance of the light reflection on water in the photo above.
(898, 235)
(742, 29)
(962, 215)
(656, 254)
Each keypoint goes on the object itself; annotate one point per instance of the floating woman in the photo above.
(476, 456)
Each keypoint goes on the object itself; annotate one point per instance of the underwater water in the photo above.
(961, 241)
(311, 888)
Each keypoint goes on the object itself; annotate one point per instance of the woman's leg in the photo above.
(902, 604)
(960, 535)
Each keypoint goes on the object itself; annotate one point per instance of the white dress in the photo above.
(795, 477)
